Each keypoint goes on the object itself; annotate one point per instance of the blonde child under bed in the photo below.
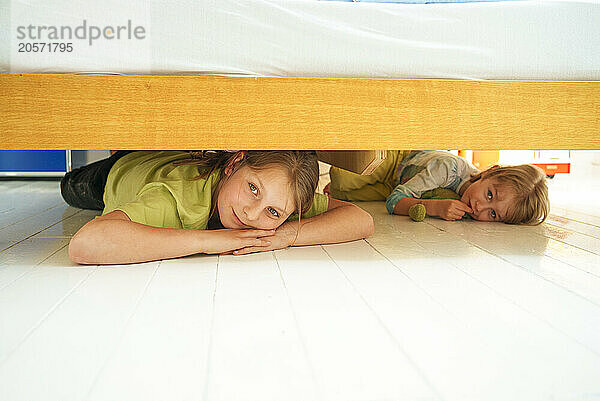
(409, 182)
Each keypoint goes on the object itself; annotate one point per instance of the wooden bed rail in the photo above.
(69, 111)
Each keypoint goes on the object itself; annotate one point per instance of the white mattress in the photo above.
(537, 40)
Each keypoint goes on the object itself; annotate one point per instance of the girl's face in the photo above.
(255, 199)
(489, 201)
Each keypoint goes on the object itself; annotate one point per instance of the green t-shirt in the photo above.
(147, 187)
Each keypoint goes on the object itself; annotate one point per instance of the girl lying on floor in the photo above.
(166, 204)
(438, 183)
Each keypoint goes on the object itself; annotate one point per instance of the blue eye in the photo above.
(493, 213)
(273, 212)
(489, 194)
(253, 188)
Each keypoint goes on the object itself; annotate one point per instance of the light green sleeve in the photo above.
(349, 186)
(320, 205)
(155, 207)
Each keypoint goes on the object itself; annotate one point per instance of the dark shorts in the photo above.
(84, 187)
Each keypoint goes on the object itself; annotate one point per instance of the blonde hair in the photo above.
(301, 167)
(527, 183)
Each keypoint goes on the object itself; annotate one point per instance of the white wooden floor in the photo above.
(419, 311)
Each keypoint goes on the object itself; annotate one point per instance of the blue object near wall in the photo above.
(34, 162)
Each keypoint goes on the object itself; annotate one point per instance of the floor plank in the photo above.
(522, 342)
(65, 323)
(574, 225)
(162, 353)
(522, 248)
(254, 340)
(352, 354)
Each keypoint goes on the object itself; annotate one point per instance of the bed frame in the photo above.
(70, 111)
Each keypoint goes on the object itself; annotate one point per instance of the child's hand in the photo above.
(226, 240)
(326, 189)
(450, 209)
(282, 238)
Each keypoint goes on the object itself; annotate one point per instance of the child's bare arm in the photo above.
(448, 209)
(114, 239)
(342, 222)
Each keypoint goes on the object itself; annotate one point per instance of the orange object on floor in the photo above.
(482, 159)
(553, 168)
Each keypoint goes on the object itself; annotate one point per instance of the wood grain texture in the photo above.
(68, 111)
